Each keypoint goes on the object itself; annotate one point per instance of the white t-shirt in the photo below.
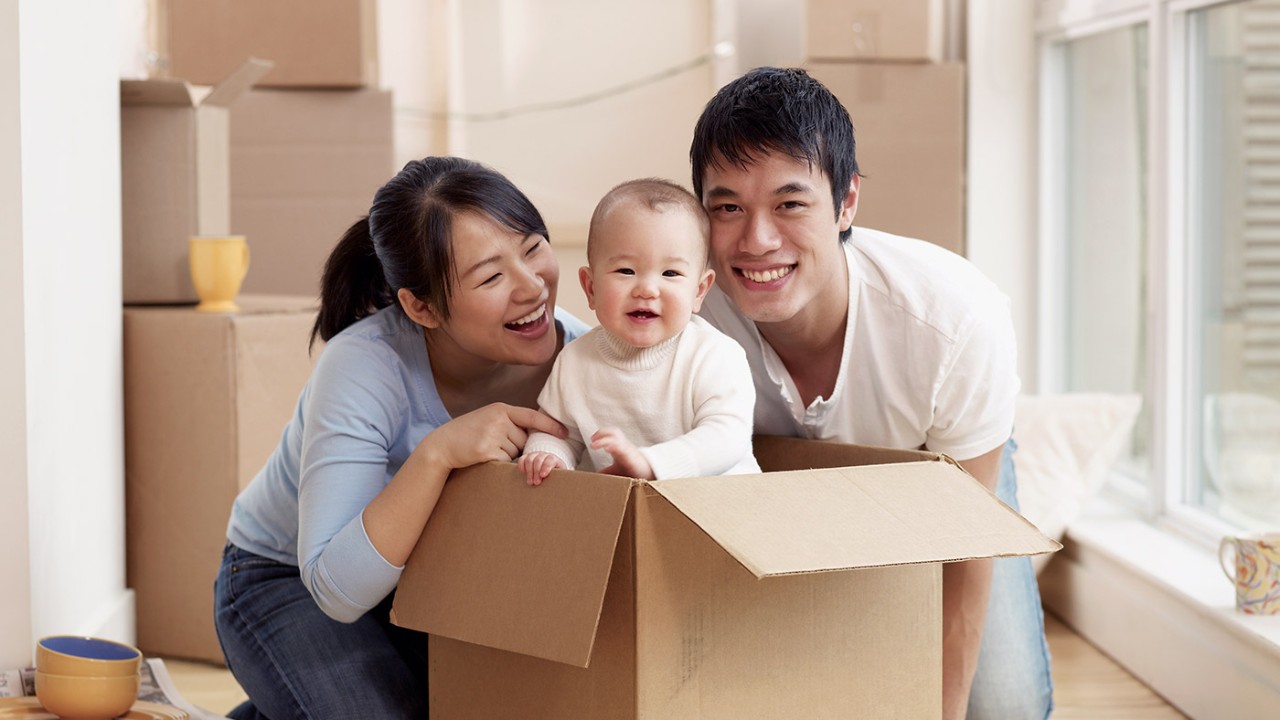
(930, 356)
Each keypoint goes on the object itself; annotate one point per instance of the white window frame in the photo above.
(1140, 576)
(1171, 377)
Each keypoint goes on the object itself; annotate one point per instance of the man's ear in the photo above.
(704, 286)
(849, 207)
(588, 285)
(418, 310)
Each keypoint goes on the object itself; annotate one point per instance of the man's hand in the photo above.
(627, 459)
(537, 466)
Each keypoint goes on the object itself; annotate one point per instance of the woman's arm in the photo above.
(395, 518)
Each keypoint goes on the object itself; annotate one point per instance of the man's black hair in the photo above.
(780, 110)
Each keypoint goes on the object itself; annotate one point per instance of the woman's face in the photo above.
(504, 296)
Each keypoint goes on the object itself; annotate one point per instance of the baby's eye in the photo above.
(625, 271)
(671, 273)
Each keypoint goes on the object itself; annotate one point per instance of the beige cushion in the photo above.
(1066, 446)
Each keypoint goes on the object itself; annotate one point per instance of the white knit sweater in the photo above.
(686, 403)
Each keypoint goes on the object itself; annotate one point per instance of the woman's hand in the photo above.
(493, 432)
(627, 459)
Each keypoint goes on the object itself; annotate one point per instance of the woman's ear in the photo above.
(418, 310)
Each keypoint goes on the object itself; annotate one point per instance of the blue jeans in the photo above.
(1012, 681)
(296, 662)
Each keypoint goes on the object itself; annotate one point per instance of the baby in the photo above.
(655, 390)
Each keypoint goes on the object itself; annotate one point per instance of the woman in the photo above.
(439, 314)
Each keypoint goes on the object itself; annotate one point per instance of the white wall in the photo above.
(15, 610)
(1001, 204)
(70, 209)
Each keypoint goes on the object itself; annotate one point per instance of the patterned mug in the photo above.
(1255, 571)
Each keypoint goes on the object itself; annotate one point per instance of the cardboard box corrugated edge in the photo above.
(811, 546)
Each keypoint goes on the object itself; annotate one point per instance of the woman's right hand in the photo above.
(494, 432)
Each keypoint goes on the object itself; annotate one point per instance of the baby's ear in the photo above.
(704, 286)
(588, 285)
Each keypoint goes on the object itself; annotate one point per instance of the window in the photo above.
(1164, 203)
(1102, 237)
(1233, 238)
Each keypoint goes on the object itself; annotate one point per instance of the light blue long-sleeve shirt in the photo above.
(368, 403)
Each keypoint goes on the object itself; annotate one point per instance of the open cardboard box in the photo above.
(175, 177)
(795, 593)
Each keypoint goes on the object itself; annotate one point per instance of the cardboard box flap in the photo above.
(853, 517)
(184, 94)
(515, 567)
(156, 92)
(238, 82)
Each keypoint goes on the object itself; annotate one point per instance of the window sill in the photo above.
(1160, 606)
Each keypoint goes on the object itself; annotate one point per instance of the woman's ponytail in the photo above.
(353, 285)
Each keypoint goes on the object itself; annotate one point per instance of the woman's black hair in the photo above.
(776, 110)
(406, 239)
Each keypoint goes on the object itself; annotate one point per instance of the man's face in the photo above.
(775, 237)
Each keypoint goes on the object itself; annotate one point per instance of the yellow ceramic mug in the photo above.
(1257, 571)
(218, 266)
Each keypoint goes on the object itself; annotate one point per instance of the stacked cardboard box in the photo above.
(290, 167)
(207, 396)
(884, 59)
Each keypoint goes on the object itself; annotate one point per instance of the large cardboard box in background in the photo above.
(795, 593)
(313, 43)
(304, 166)
(909, 126)
(877, 30)
(207, 396)
(174, 167)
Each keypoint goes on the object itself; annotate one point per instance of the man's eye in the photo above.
(726, 208)
(792, 204)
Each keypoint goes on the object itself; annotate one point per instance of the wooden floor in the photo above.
(1087, 684)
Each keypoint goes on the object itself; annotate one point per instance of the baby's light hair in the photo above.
(657, 195)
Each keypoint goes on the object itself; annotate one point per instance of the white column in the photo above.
(70, 208)
(15, 567)
(1001, 225)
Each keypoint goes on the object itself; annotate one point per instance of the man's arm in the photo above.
(966, 586)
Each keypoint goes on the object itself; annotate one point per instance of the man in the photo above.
(864, 337)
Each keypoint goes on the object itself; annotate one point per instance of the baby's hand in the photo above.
(538, 465)
(627, 459)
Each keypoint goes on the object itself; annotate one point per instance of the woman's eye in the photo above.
(491, 279)
(533, 248)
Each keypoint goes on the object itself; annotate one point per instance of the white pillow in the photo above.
(1066, 446)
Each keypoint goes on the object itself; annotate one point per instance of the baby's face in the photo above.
(647, 275)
